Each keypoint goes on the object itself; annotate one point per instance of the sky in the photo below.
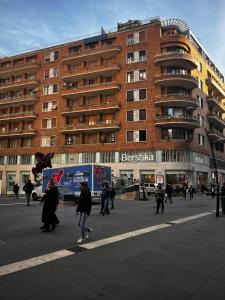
(28, 24)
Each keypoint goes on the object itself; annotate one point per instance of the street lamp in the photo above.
(221, 140)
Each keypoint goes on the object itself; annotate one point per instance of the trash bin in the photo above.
(223, 204)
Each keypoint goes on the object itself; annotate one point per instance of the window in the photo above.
(88, 158)
(135, 38)
(3, 143)
(201, 102)
(50, 73)
(177, 134)
(49, 123)
(201, 119)
(48, 141)
(136, 115)
(136, 136)
(26, 142)
(136, 56)
(50, 89)
(25, 159)
(51, 56)
(107, 157)
(136, 75)
(12, 160)
(200, 84)
(172, 155)
(201, 139)
(70, 139)
(1, 160)
(108, 137)
(49, 106)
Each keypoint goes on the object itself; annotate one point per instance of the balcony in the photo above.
(180, 80)
(93, 72)
(91, 54)
(213, 85)
(216, 120)
(176, 100)
(18, 116)
(215, 134)
(182, 60)
(28, 67)
(15, 85)
(26, 99)
(105, 88)
(95, 127)
(182, 121)
(109, 107)
(213, 102)
(18, 133)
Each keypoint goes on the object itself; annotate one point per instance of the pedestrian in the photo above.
(169, 192)
(223, 198)
(191, 191)
(105, 199)
(184, 191)
(84, 210)
(160, 194)
(16, 191)
(51, 201)
(28, 188)
(112, 194)
(213, 190)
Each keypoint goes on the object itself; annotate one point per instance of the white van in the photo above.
(37, 193)
(150, 188)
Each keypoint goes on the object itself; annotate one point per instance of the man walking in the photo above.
(16, 191)
(28, 188)
(160, 194)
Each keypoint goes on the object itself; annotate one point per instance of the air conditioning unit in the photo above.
(54, 107)
(65, 84)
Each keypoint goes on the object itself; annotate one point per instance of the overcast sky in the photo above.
(27, 24)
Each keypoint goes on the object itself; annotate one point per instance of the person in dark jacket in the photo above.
(105, 199)
(28, 188)
(84, 210)
(112, 194)
(191, 191)
(160, 194)
(51, 201)
(169, 191)
(16, 191)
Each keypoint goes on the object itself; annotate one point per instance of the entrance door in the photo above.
(11, 179)
(24, 177)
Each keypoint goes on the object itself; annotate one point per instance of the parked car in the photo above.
(37, 193)
(150, 188)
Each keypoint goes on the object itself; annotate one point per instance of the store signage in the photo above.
(137, 157)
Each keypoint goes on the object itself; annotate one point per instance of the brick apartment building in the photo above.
(138, 99)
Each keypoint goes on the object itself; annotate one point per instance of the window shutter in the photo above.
(136, 56)
(136, 136)
(52, 56)
(54, 123)
(136, 37)
(136, 75)
(44, 123)
(136, 115)
(136, 95)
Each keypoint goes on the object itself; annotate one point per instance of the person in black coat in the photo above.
(51, 201)
(16, 191)
(84, 210)
(28, 188)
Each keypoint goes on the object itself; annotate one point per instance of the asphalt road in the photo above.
(179, 260)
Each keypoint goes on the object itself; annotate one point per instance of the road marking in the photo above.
(179, 221)
(123, 236)
(32, 262)
(8, 204)
(35, 261)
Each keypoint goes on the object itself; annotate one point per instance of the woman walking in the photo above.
(51, 201)
(84, 209)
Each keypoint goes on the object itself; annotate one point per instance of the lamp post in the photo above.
(216, 172)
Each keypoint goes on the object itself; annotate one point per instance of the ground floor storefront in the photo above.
(175, 167)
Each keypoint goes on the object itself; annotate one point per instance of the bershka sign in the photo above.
(137, 157)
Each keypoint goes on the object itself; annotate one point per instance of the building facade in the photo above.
(138, 99)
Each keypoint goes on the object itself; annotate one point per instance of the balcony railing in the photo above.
(95, 126)
(183, 60)
(20, 83)
(90, 72)
(105, 107)
(183, 121)
(213, 101)
(19, 115)
(216, 119)
(186, 81)
(102, 88)
(105, 52)
(215, 134)
(18, 132)
(19, 99)
(12, 69)
(178, 99)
